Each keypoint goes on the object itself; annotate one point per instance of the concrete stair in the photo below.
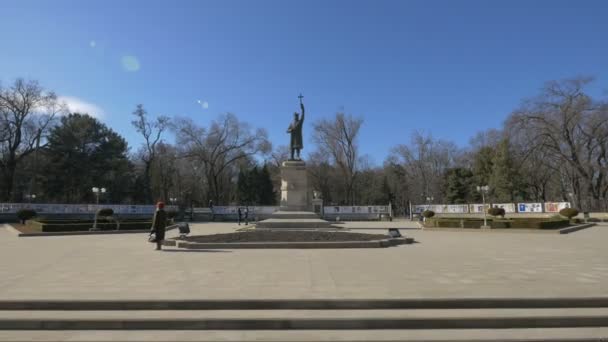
(517, 319)
(294, 220)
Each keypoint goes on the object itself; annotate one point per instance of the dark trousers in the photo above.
(160, 236)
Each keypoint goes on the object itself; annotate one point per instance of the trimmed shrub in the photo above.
(104, 212)
(568, 212)
(497, 212)
(428, 213)
(25, 214)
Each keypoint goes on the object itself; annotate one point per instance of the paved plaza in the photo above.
(441, 264)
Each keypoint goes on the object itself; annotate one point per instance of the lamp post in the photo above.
(97, 191)
(30, 197)
(429, 199)
(484, 189)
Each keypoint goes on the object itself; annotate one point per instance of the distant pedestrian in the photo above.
(246, 215)
(240, 214)
(211, 208)
(159, 223)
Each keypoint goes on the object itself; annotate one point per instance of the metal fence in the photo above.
(11, 208)
(546, 207)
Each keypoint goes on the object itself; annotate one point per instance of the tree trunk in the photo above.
(9, 179)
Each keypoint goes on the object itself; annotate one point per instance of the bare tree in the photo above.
(571, 128)
(151, 131)
(226, 142)
(338, 139)
(424, 162)
(26, 113)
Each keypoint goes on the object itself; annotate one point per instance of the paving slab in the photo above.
(440, 265)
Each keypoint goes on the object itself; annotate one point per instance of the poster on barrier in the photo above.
(508, 207)
(360, 209)
(555, 207)
(530, 207)
(477, 208)
(458, 208)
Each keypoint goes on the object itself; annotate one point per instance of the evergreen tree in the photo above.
(459, 186)
(266, 193)
(242, 187)
(84, 153)
(503, 181)
(482, 165)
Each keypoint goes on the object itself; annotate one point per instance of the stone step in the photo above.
(304, 319)
(307, 304)
(423, 335)
(294, 215)
(308, 223)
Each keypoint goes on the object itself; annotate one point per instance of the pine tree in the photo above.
(504, 178)
(459, 186)
(265, 191)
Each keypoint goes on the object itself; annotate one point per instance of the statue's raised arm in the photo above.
(302, 107)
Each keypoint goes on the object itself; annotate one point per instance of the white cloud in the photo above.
(76, 105)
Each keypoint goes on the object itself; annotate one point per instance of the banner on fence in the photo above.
(555, 207)
(10, 208)
(357, 209)
(233, 210)
(530, 207)
(477, 208)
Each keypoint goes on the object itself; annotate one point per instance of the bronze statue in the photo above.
(295, 129)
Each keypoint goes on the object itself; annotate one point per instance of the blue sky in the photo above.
(449, 68)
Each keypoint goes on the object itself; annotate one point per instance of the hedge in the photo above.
(529, 223)
(500, 224)
(89, 221)
(76, 227)
(540, 224)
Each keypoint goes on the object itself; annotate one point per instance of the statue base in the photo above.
(296, 208)
(294, 186)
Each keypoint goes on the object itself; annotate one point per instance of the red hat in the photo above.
(160, 205)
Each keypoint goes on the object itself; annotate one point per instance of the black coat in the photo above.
(159, 223)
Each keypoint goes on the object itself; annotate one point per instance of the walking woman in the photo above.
(159, 223)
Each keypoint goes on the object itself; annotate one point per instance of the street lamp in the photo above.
(30, 197)
(429, 199)
(173, 200)
(484, 189)
(97, 191)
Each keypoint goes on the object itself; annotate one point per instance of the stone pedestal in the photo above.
(296, 205)
(294, 186)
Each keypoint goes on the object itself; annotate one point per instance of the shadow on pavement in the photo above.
(196, 250)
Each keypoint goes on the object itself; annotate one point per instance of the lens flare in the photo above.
(130, 63)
